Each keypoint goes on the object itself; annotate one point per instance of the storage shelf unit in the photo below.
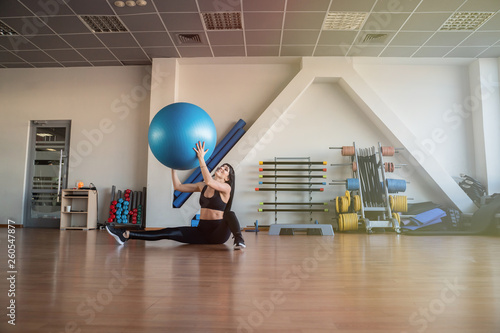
(83, 213)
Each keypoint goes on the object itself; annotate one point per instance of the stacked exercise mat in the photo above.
(127, 207)
(218, 154)
(369, 199)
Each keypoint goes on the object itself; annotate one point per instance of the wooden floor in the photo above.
(81, 281)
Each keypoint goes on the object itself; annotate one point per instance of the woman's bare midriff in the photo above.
(211, 214)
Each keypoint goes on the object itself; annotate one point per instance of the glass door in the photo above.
(47, 172)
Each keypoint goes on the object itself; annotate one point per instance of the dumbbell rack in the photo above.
(375, 209)
(300, 168)
(136, 215)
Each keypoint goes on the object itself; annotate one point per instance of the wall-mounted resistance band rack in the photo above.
(289, 174)
(367, 198)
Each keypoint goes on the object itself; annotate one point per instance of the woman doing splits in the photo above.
(217, 221)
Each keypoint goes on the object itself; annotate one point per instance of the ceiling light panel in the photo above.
(222, 20)
(104, 23)
(5, 30)
(465, 21)
(344, 20)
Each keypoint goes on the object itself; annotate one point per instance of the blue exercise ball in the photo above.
(175, 130)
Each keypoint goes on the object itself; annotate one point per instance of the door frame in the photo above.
(29, 222)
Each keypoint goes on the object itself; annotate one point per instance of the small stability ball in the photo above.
(174, 132)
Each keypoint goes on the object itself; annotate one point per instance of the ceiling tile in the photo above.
(49, 42)
(385, 21)
(153, 38)
(91, 7)
(82, 40)
(106, 63)
(297, 50)
(410, 38)
(47, 8)
(263, 20)
(337, 37)
(492, 52)
(96, 54)
(46, 64)
(307, 6)
(194, 51)
(425, 21)
(13, 8)
(75, 63)
(129, 53)
(182, 21)
(481, 39)
(118, 39)
(447, 38)
(365, 51)
(161, 52)
(331, 51)
(263, 37)
(30, 25)
(263, 51)
(481, 6)
(35, 56)
(229, 51)
(143, 22)
(398, 6)
(67, 25)
(65, 55)
(225, 37)
(439, 6)
(300, 37)
(263, 5)
(17, 43)
(432, 51)
(351, 6)
(219, 5)
(465, 52)
(17, 65)
(296, 20)
(399, 51)
(176, 6)
(6, 56)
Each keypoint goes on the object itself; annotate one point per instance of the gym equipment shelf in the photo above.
(303, 169)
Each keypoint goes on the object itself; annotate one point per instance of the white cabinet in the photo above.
(82, 213)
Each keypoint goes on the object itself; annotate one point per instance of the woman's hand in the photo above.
(200, 149)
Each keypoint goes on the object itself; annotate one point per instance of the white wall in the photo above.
(323, 115)
(109, 110)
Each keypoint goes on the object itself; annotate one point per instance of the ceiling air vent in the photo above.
(5, 30)
(222, 20)
(374, 38)
(189, 38)
(461, 21)
(104, 23)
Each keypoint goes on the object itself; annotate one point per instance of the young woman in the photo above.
(217, 221)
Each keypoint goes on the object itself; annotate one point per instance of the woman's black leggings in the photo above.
(207, 232)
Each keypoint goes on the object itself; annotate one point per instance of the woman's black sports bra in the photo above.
(215, 202)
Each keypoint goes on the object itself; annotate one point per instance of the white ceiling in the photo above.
(52, 34)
